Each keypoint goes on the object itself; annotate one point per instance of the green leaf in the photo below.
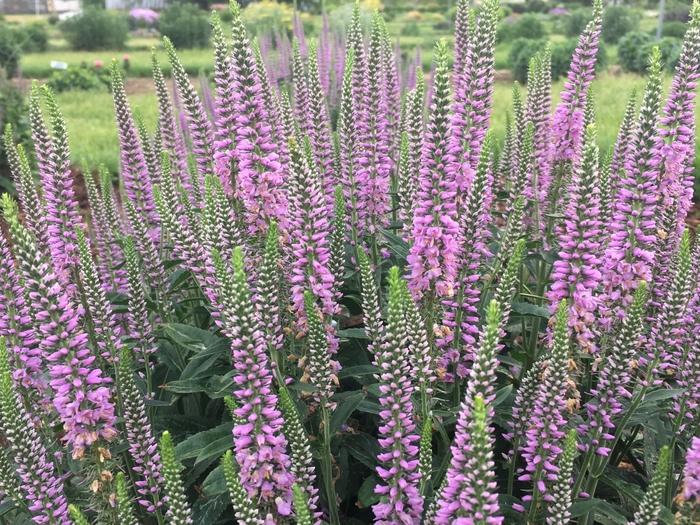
(366, 497)
(502, 394)
(208, 511)
(357, 371)
(352, 333)
(531, 309)
(193, 446)
(215, 449)
(363, 448)
(189, 337)
(344, 409)
(186, 386)
(215, 483)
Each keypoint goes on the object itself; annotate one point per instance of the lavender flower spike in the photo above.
(260, 175)
(400, 499)
(559, 509)
(691, 473)
(81, 395)
(139, 434)
(134, 171)
(40, 484)
(650, 507)
(576, 274)
(469, 494)
(179, 511)
(259, 443)
(546, 432)
(433, 257)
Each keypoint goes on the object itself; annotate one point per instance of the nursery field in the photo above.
(310, 283)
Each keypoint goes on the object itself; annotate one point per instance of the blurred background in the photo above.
(70, 44)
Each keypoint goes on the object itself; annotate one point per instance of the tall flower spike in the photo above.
(309, 229)
(62, 210)
(125, 512)
(299, 450)
(407, 186)
(623, 142)
(320, 129)
(433, 257)
(317, 363)
(41, 486)
(462, 27)
(43, 142)
(547, 420)
(134, 170)
(629, 256)
(179, 511)
(151, 156)
(508, 283)
(614, 379)
(81, 395)
(268, 295)
(568, 120)
(148, 252)
(140, 327)
(336, 264)
(469, 493)
(198, 123)
(392, 89)
(27, 194)
(676, 150)
(421, 355)
(605, 183)
(221, 227)
(576, 274)
(172, 141)
(301, 89)
(10, 487)
(539, 89)
(414, 126)
(460, 317)
(400, 499)
(665, 347)
(143, 448)
(559, 509)
(260, 174)
(225, 117)
(245, 510)
(258, 439)
(108, 253)
(349, 146)
(650, 507)
(374, 160)
(102, 319)
(471, 109)
(16, 326)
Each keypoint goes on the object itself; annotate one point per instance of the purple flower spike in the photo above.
(400, 500)
(433, 257)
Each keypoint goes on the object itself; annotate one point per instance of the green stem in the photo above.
(327, 466)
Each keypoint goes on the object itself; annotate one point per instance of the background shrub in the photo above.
(33, 38)
(528, 26)
(673, 29)
(677, 11)
(268, 14)
(96, 29)
(628, 51)
(618, 20)
(635, 48)
(79, 78)
(10, 50)
(186, 25)
(522, 50)
(575, 22)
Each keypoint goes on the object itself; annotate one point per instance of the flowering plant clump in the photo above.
(395, 316)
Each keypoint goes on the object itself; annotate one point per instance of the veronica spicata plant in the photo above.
(324, 289)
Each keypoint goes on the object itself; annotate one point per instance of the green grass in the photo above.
(92, 129)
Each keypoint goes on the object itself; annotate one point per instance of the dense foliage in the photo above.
(185, 25)
(386, 316)
(96, 28)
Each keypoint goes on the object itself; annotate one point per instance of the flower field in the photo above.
(340, 299)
